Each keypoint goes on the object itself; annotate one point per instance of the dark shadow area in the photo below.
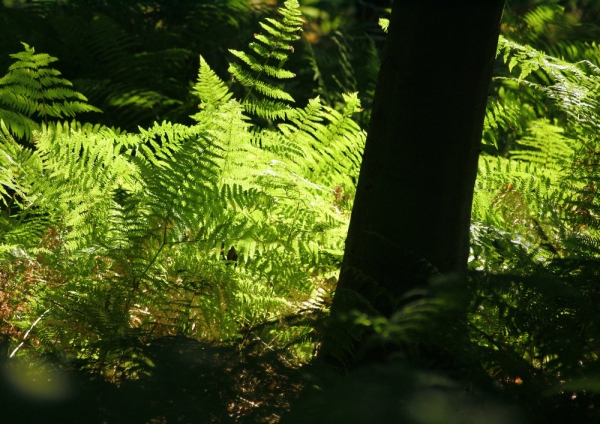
(180, 380)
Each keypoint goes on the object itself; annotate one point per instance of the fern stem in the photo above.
(258, 76)
(136, 282)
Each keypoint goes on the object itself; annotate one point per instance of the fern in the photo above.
(264, 98)
(199, 229)
(535, 223)
(31, 88)
(502, 118)
(546, 146)
(534, 191)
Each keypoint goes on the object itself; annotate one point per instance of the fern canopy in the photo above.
(199, 229)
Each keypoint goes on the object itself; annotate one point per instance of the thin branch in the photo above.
(27, 333)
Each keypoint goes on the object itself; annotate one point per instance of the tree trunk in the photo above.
(416, 182)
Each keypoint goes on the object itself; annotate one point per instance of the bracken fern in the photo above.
(199, 229)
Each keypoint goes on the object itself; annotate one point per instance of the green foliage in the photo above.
(230, 226)
(501, 117)
(537, 184)
(133, 60)
(264, 98)
(545, 146)
(32, 87)
(198, 230)
(534, 231)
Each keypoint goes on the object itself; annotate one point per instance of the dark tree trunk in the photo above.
(416, 182)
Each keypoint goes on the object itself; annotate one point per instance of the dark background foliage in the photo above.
(136, 60)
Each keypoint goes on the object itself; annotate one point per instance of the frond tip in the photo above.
(210, 88)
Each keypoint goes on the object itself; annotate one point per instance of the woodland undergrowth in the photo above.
(157, 258)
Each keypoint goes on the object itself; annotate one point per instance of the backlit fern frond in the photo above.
(545, 146)
(32, 87)
(549, 147)
(181, 176)
(20, 167)
(199, 229)
(520, 205)
(209, 87)
(572, 86)
(500, 117)
(557, 151)
(260, 70)
(333, 142)
(341, 141)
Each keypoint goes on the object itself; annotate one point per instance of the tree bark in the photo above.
(415, 188)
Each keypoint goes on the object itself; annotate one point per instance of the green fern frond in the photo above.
(269, 109)
(265, 88)
(19, 124)
(257, 66)
(33, 87)
(303, 123)
(573, 84)
(272, 47)
(209, 87)
(277, 143)
(19, 167)
(520, 201)
(191, 171)
(342, 141)
(333, 141)
(548, 194)
(546, 146)
(500, 116)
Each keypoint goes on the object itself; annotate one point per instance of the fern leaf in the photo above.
(257, 66)
(545, 146)
(32, 87)
(209, 87)
(265, 88)
(257, 74)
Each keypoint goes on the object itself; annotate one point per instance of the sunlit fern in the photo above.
(32, 88)
(198, 230)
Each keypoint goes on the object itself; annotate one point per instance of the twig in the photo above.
(27, 333)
